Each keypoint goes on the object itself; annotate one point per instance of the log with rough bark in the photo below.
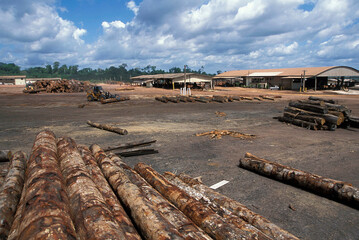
(312, 102)
(172, 99)
(338, 108)
(267, 97)
(92, 216)
(325, 186)
(185, 226)
(228, 216)
(112, 100)
(108, 128)
(202, 100)
(161, 99)
(309, 107)
(329, 118)
(186, 99)
(221, 99)
(236, 98)
(239, 209)
(257, 98)
(313, 119)
(5, 155)
(109, 196)
(10, 192)
(43, 211)
(130, 145)
(353, 121)
(298, 122)
(322, 99)
(146, 216)
(203, 216)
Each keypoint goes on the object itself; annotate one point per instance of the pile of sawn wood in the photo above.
(318, 114)
(67, 191)
(214, 98)
(59, 86)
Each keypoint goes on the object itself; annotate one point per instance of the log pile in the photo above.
(338, 190)
(219, 133)
(214, 98)
(74, 192)
(60, 86)
(318, 114)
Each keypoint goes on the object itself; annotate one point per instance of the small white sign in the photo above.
(220, 184)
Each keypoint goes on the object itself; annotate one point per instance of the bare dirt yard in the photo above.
(333, 154)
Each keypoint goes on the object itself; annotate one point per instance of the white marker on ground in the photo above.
(220, 184)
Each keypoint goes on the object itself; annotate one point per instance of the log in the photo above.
(353, 121)
(267, 97)
(330, 188)
(172, 99)
(43, 211)
(221, 99)
(311, 102)
(130, 145)
(299, 123)
(257, 98)
(322, 99)
(338, 108)
(340, 116)
(138, 152)
(201, 100)
(247, 98)
(112, 100)
(204, 217)
(308, 107)
(108, 128)
(313, 119)
(236, 98)
(5, 155)
(185, 226)
(161, 99)
(239, 209)
(10, 192)
(119, 214)
(329, 118)
(146, 216)
(229, 217)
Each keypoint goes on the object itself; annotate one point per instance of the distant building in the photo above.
(288, 78)
(12, 80)
(173, 79)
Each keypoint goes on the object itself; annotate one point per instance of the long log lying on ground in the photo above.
(172, 99)
(239, 209)
(10, 192)
(204, 217)
(267, 97)
(185, 226)
(161, 99)
(146, 216)
(112, 100)
(93, 218)
(318, 103)
(109, 196)
(325, 186)
(130, 145)
(309, 107)
(313, 119)
(298, 122)
(108, 128)
(43, 211)
(227, 215)
(322, 99)
(329, 118)
(138, 152)
(5, 155)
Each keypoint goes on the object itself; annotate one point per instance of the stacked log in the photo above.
(316, 114)
(10, 192)
(331, 188)
(59, 86)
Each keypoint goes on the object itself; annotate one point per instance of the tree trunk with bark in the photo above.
(108, 128)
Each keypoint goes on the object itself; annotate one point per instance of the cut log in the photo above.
(236, 98)
(108, 128)
(239, 209)
(228, 216)
(311, 102)
(353, 121)
(247, 98)
(331, 188)
(308, 107)
(329, 118)
(5, 155)
(112, 100)
(322, 99)
(10, 192)
(202, 100)
(161, 99)
(109, 196)
(172, 99)
(43, 211)
(221, 99)
(257, 98)
(146, 216)
(138, 152)
(204, 217)
(299, 123)
(313, 119)
(340, 116)
(185, 226)
(130, 145)
(267, 97)
(338, 108)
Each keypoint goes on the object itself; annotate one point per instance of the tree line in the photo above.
(120, 73)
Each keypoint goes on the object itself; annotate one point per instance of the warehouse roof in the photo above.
(12, 77)
(169, 76)
(288, 72)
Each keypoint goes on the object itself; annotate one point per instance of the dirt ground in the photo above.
(333, 154)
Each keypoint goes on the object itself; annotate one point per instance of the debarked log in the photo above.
(331, 188)
(43, 211)
(203, 216)
(298, 122)
(228, 216)
(108, 128)
(309, 107)
(93, 218)
(185, 226)
(239, 209)
(109, 196)
(146, 216)
(10, 192)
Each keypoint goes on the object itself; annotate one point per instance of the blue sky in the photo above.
(216, 34)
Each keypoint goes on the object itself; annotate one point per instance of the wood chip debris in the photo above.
(220, 114)
(219, 133)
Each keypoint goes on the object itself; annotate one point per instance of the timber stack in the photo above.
(318, 114)
(60, 86)
(94, 195)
